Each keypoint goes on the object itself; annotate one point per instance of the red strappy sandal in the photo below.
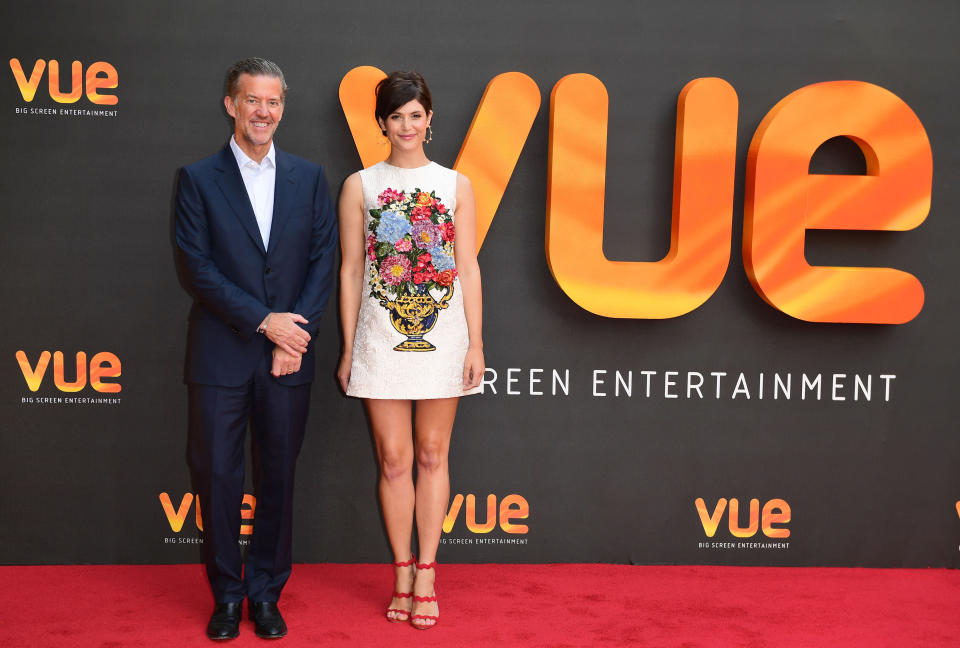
(405, 613)
(426, 599)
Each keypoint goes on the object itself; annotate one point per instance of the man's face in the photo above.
(256, 109)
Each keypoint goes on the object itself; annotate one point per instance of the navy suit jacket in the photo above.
(234, 281)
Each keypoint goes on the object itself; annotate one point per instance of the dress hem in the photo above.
(417, 397)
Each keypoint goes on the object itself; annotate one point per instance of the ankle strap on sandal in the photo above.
(427, 565)
(406, 563)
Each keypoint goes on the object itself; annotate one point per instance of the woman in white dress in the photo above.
(410, 308)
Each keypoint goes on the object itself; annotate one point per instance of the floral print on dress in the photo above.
(410, 247)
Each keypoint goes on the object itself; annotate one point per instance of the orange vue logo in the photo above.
(775, 512)
(783, 200)
(102, 367)
(98, 77)
(177, 517)
(512, 507)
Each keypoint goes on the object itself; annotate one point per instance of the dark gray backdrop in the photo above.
(88, 265)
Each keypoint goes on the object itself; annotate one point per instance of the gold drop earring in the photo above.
(429, 135)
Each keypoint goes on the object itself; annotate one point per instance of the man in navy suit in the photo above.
(256, 235)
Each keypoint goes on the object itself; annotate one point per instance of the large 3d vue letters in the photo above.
(490, 149)
(704, 165)
(783, 201)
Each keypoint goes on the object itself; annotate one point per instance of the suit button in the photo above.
(235, 330)
(267, 271)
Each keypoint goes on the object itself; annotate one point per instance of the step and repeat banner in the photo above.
(718, 247)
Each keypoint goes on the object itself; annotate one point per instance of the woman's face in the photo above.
(407, 126)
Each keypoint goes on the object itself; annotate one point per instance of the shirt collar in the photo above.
(243, 159)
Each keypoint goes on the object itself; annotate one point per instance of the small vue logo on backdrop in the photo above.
(512, 507)
(504, 514)
(103, 368)
(75, 89)
(756, 528)
(73, 379)
(177, 515)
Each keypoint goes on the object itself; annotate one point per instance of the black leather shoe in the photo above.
(267, 620)
(225, 622)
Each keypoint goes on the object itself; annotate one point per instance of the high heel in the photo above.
(426, 599)
(401, 595)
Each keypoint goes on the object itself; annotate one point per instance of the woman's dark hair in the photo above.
(397, 89)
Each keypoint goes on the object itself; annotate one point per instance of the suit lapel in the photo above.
(231, 184)
(284, 190)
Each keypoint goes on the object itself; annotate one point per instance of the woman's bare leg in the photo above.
(391, 421)
(432, 429)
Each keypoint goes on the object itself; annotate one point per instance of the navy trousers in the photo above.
(277, 415)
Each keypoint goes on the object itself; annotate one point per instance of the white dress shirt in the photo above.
(260, 180)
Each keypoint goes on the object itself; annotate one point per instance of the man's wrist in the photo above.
(263, 325)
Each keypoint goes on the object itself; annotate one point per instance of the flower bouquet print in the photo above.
(412, 268)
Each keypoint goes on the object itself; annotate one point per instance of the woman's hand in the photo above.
(473, 367)
(343, 371)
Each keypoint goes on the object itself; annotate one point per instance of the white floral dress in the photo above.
(411, 336)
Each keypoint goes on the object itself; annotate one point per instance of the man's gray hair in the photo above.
(255, 67)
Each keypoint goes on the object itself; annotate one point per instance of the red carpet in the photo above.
(499, 605)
